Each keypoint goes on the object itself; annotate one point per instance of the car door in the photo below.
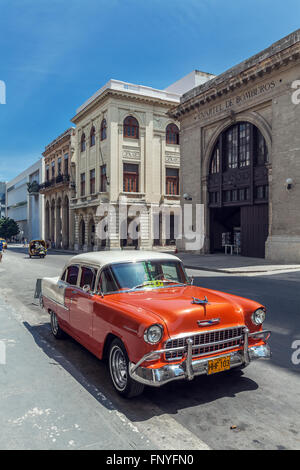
(82, 306)
(66, 285)
(102, 312)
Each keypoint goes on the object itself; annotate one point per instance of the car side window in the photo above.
(72, 275)
(88, 277)
(63, 277)
(106, 282)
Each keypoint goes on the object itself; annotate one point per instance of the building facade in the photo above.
(127, 152)
(2, 199)
(57, 188)
(24, 204)
(240, 154)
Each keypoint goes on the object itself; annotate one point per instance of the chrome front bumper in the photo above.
(189, 368)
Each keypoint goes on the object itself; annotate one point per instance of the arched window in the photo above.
(131, 128)
(82, 143)
(215, 161)
(103, 129)
(172, 134)
(92, 137)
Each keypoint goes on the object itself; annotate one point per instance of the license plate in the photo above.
(218, 365)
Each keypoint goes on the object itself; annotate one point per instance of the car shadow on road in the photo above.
(92, 374)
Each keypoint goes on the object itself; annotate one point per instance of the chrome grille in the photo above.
(206, 343)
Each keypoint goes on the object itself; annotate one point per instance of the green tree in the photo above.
(8, 228)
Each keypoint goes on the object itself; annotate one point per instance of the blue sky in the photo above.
(56, 53)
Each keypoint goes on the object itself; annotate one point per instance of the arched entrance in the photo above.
(238, 191)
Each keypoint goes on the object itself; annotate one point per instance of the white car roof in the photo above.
(102, 258)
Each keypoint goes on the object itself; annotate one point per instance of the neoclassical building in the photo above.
(240, 154)
(58, 188)
(127, 151)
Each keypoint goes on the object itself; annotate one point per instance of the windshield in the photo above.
(147, 274)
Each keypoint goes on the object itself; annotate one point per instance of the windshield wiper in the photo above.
(152, 283)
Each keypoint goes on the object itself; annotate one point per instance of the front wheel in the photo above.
(57, 332)
(118, 368)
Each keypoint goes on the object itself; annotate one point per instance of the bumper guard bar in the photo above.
(189, 368)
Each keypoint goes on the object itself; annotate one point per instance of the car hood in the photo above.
(175, 307)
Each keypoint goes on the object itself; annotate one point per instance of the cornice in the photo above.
(236, 78)
(59, 142)
(126, 96)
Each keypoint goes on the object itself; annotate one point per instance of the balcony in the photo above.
(59, 180)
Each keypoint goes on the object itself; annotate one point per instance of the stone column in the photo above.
(86, 233)
(65, 224)
(146, 239)
(76, 231)
(71, 229)
(114, 235)
(58, 238)
(52, 224)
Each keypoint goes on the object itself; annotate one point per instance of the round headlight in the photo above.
(153, 334)
(258, 317)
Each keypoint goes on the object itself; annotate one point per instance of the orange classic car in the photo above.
(140, 312)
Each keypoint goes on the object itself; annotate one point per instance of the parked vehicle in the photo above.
(37, 248)
(4, 243)
(140, 311)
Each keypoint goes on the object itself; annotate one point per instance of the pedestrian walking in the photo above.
(1, 250)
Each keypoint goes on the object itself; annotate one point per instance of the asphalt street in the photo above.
(56, 395)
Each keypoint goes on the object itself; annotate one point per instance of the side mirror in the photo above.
(86, 288)
(192, 280)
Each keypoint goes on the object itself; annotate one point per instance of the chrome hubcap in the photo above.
(118, 368)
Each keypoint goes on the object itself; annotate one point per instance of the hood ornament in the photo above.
(199, 301)
(211, 321)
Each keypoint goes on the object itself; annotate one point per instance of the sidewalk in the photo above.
(234, 264)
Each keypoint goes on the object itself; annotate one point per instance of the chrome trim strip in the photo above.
(203, 332)
(178, 358)
(265, 334)
(246, 346)
(189, 355)
(205, 345)
(55, 302)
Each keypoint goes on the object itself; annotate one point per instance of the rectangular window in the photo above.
(59, 166)
(172, 181)
(244, 145)
(232, 147)
(53, 169)
(72, 275)
(261, 192)
(47, 173)
(103, 180)
(88, 277)
(130, 178)
(66, 164)
(82, 184)
(92, 182)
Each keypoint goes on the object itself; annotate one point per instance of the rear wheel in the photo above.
(118, 368)
(57, 332)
